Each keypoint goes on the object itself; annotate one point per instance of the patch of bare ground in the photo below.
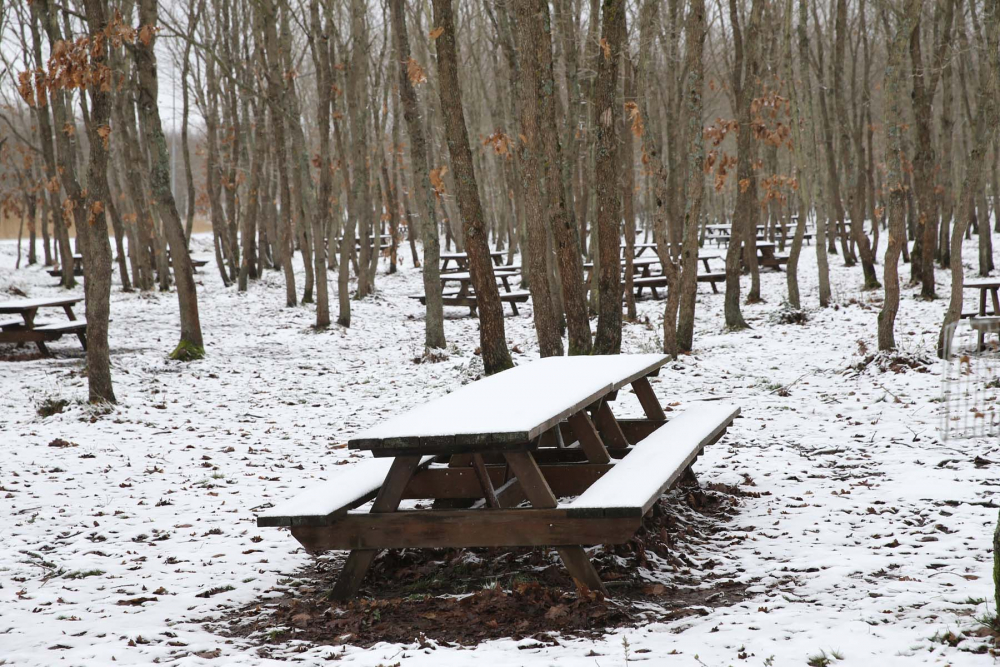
(675, 566)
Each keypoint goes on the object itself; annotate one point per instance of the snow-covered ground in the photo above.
(878, 532)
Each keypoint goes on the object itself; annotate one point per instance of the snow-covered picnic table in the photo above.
(26, 329)
(537, 433)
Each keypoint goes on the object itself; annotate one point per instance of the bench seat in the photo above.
(67, 327)
(712, 277)
(652, 466)
(350, 487)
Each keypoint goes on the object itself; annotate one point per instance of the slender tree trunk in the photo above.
(694, 84)
(423, 193)
(492, 336)
(609, 316)
(895, 74)
(191, 345)
(529, 150)
(97, 283)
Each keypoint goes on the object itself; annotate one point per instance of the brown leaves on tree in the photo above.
(436, 32)
(415, 72)
(500, 142)
(147, 33)
(606, 48)
(437, 180)
(635, 116)
(96, 209)
(104, 131)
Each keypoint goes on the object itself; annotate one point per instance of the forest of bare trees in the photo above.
(545, 129)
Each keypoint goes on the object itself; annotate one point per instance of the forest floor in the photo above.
(844, 530)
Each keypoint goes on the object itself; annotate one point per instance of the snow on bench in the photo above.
(633, 485)
(69, 326)
(350, 487)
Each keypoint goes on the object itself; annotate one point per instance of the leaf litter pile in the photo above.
(465, 596)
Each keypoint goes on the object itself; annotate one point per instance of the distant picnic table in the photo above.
(537, 432)
(461, 260)
(645, 278)
(25, 328)
(982, 320)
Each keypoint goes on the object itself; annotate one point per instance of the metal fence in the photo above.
(970, 384)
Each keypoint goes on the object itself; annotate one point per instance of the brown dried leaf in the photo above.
(436, 32)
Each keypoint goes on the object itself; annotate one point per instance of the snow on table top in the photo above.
(641, 475)
(515, 405)
(19, 305)
(465, 255)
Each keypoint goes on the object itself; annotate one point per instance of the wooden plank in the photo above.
(637, 430)
(590, 440)
(484, 481)
(564, 479)
(647, 399)
(608, 426)
(439, 529)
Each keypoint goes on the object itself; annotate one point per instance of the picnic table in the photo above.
(465, 294)
(644, 277)
(26, 329)
(981, 319)
(539, 432)
(461, 260)
(766, 255)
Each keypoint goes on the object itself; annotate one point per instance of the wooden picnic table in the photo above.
(982, 319)
(537, 432)
(26, 329)
(465, 295)
(766, 255)
(461, 260)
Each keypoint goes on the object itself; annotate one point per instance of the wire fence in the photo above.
(970, 384)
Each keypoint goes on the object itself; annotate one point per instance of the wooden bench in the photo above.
(983, 325)
(653, 465)
(469, 300)
(556, 441)
(660, 281)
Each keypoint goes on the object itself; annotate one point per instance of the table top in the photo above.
(509, 408)
(22, 305)
(465, 255)
(465, 276)
(982, 283)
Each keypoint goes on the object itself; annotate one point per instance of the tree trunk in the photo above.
(608, 339)
(97, 282)
(895, 74)
(191, 345)
(528, 152)
(492, 336)
(423, 193)
(694, 84)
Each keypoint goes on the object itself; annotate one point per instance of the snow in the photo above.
(871, 536)
(342, 490)
(515, 405)
(18, 305)
(640, 476)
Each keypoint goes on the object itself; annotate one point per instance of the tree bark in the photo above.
(609, 315)
(492, 336)
(97, 282)
(191, 345)
(529, 150)
(894, 159)
(422, 191)
(694, 84)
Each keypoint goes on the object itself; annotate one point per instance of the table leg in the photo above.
(484, 481)
(69, 312)
(540, 495)
(996, 300)
(647, 399)
(590, 440)
(610, 429)
(389, 496)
